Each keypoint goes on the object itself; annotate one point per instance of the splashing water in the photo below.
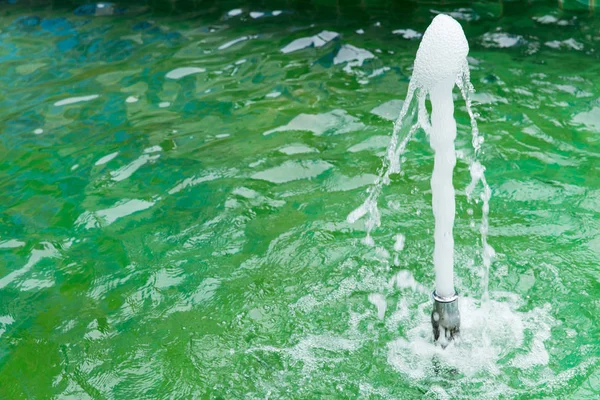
(495, 345)
(478, 175)
(441, 62)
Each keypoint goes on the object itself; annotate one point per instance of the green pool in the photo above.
(174, 193)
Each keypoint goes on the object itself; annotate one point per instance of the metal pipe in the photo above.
(445, 318)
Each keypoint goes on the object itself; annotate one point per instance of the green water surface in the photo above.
(205, 259)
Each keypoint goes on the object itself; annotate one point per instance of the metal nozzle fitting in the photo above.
(445, 318)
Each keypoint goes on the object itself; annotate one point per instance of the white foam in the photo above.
(491, 339)
(132, 99)
(38, 131)
(442, 53)
(256, 14)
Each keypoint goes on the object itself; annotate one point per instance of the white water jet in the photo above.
(441, 62)
(441, 58)
(443, 133)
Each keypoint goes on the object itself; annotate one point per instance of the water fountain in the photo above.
(441, 62)
(440, 59)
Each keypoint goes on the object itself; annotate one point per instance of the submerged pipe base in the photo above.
(445, 318)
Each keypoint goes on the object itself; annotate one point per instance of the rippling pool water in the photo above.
(174, 194)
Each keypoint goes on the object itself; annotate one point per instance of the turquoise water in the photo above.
(169, 236)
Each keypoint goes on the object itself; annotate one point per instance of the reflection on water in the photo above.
(174, 194)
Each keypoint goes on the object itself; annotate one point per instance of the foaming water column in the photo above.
(440, 61)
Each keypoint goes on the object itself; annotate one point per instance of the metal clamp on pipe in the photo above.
(445, 318)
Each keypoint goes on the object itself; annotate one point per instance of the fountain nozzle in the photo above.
(445, 318)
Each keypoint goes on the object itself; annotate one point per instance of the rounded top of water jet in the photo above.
(442, 53)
